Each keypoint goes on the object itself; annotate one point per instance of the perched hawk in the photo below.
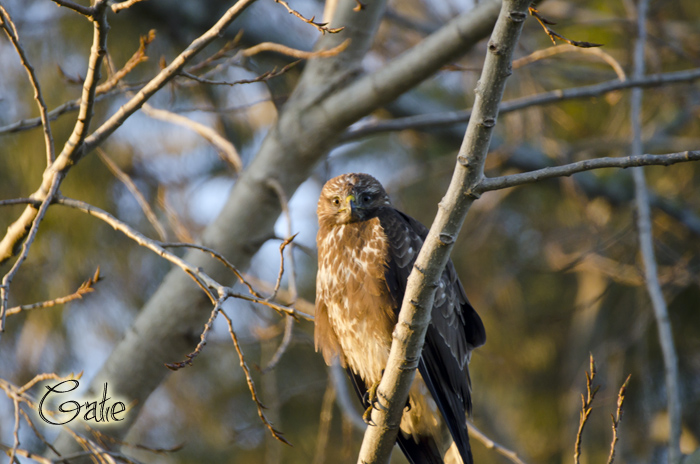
(366, 250)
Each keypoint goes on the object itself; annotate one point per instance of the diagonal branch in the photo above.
(7, 24)
(409, 334)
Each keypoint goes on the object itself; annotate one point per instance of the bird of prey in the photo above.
(366, 250)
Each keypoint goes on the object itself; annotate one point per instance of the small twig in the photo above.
(7, 24)
(251, 385)
(490, 444)
(20, 201)
(261, 78)
(131, 186)
(221, 258)
(616, 418)
(137, 58)
(223, 51)
(176, 225)
(285, 242)
(85, 288)
(83, 10)
(286, 341)
(7, 279)
(31, 123)
(200, 278)
(558, 49)
(294, 53)
(545, 23)
(202, 338)
(282, 309)
(586, 408)
(117, 7)
(227, 151)
(322, 27)
(38, 434)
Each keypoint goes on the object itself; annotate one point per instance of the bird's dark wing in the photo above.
(454, 331)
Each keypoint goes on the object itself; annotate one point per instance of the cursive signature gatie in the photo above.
(92, 411)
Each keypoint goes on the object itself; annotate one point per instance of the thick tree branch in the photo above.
(513, 180)
(409, 334)
(646, 246)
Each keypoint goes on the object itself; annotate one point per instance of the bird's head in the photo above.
(350, 198)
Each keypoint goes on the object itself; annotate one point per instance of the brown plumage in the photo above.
(366, 250)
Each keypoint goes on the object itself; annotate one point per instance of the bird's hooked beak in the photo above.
(351, 204)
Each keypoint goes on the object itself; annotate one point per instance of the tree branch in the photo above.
(513, 180)
(7, 24)
(455, 117)
(409, 333)
(646, 246)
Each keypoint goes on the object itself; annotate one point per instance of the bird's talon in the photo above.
(367, 416)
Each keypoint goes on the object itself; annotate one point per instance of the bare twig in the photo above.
(497, 183)
(251, 385)
(202, 279)
(289, 323)
(221, 258)
(294, 53)
(202, 338)
(85, 288)
(545, 23)
(616, 418)
(137, 58)
(267, 75)
(7, 24)
(646, 246)
(221, 53)
(227, 151)
(286, 341)
(322, 27)
(117, 7)
(31, 123)
(455, 117)
(284, 243)
(490, 444)
(129, 183)
(83, 10)
(557, 49)
(7, 279)
(586, 408)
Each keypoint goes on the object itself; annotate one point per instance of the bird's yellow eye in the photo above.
(335, 201)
